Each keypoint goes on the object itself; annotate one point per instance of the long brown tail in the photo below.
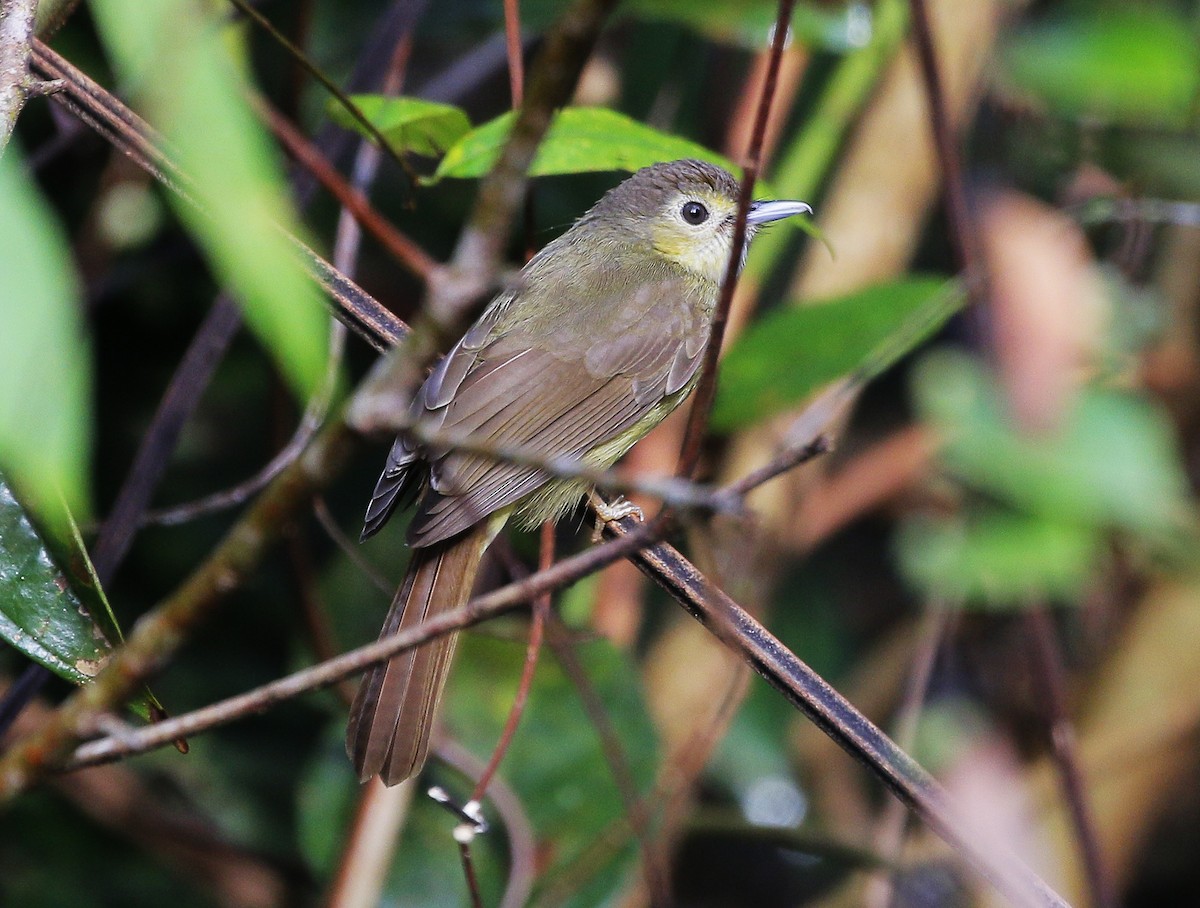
(393, 711)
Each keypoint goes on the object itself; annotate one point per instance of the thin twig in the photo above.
(516, 61)
(637, 809)
(522, 843)
(129, 133)
(315, 677)
(706, 389)
(351, 549)
(328, 84)
(533, 649)
(1064, 749)
(889, 832)
(961, 227)
(401, 247)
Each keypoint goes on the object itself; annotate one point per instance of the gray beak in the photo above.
(766, 212)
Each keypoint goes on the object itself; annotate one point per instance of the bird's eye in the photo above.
(694, 213)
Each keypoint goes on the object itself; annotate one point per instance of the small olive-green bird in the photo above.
(600, 337)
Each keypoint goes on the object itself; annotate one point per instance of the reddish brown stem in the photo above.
(706, 390)
(541, 607)
(516, 62)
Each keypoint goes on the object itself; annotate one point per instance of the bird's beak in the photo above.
(766, 212)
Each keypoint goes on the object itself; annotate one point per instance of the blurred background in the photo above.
(996, 563)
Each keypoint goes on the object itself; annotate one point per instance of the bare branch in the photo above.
(16, 32)
(479, 609)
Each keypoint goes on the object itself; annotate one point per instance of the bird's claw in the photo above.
(617, 509)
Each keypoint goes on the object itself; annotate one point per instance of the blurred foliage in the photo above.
(789, 354)
(1081, 103)
(45, 374)
(187, 82)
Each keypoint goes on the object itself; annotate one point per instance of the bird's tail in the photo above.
(393, 712)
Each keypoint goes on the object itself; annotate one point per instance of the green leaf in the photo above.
(1132, 65)
(409, 124)
(998, 558)
(45, 363)
(40, 614)
(580, 140)
(189, 85)
(59, 619)
(790, 353)
(1113, 464)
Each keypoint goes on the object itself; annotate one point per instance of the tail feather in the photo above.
(392, 718)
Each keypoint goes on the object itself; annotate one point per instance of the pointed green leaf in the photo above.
(45, 364)
(40, 614)
(792, 352)
(59, 619)
(580, 140)
(409, 124)
(186, 81)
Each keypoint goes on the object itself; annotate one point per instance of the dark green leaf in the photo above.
(1114, 462)
(789, 354)
(60, 619)
(40, 615)
(409, 124)
(45, 364)
(189, 86)
(998, 558)
(1131, 65)
(580, 140)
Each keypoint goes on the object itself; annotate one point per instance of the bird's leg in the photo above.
(609, 511)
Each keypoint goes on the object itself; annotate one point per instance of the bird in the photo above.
(598, 338)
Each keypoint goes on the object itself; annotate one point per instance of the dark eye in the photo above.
(694, 213)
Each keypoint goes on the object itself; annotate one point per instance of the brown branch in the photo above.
(706, 390)
(403, 249)
(16, 31)
(961, 227)
(838, 719)
(479, 609)
(516, 62)
(128, 132)
(1064, 749)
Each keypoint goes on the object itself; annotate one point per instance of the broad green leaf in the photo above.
(59, 619)
(40, 614)
(409, 124)
(1132, 64)
(580, 140)
(998, 558)
(790, 353)
(1113, 463)
(45, 363)
(172, 58)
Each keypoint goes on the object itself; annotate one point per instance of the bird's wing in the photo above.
(592, 379)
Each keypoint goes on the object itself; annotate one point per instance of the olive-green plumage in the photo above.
(599, 339)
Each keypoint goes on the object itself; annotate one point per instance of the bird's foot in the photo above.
(609, 511)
